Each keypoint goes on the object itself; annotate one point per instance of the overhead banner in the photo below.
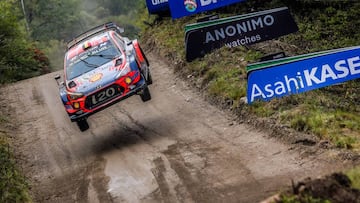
(181, 8)
(293, 75)
(201, 38)
(157, 6)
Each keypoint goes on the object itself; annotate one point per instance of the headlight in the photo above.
(75, 95)
(123, 71)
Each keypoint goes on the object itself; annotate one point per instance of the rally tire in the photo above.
(149, 80)
(83, 125)
(145, 95)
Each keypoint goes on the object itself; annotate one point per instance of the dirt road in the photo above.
(174, 148)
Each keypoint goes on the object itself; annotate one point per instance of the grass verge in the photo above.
(13, 185)
(354, 175)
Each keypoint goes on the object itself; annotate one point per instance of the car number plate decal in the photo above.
(102, 96)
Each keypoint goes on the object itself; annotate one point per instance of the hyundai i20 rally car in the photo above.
(101, 67)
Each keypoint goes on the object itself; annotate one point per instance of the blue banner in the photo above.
(299, 74)
(157, 6)
(180, 8)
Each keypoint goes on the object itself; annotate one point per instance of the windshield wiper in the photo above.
(89, 64)
(107, 56)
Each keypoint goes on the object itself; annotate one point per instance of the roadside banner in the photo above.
(273, 56)
(157, 6)
(181, 8)
(241, 30)
(297, 74)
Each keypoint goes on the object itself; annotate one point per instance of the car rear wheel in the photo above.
(83, 125)
(145, 95)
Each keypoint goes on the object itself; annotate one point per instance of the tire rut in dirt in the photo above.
(201, 169)
(75, 185)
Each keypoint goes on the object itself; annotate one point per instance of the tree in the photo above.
(17, 55)
(53, 19)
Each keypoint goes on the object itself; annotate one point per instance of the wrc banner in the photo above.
(181, 8)
(293, 75)
(157, 6)
(241, 30)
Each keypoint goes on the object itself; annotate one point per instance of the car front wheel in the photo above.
(83, 125)
(145, 95)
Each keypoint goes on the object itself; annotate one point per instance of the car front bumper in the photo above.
(79, 115)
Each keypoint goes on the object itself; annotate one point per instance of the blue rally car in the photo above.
(101, 67)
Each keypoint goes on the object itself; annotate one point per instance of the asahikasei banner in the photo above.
(202, 38)
(157, 6)
(303, 73)
(180, 8)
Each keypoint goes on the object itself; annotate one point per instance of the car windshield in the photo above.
(90, 59)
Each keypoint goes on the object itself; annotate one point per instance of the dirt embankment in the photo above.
(175, 148)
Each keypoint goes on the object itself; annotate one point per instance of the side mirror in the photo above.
(119, 61)
(57, 78)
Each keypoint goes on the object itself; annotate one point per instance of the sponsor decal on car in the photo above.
(96, 77)
(293, 75)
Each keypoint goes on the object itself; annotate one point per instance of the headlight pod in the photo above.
(75, 95)
(123, 71)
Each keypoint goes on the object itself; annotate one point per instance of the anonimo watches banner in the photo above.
(293, 75)
(157, 6)
(180, 8)
(203, 37)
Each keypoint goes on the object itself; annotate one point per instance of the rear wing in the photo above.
(93, 31)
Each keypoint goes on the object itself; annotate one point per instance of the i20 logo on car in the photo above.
(101, 68)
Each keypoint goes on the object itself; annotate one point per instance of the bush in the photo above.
(19, 58)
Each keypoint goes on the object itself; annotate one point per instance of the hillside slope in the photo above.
(328, 118)
(331, 114)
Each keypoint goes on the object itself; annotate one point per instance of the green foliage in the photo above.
(168, 36)
(19, 58)
(64, 19)
(354, 176)
(259, 109)
(305, 199)
(53, 19)
(119, 7)
(328, 25)
(340, 126)
(54, 50)
(13, 187)
(228, 84)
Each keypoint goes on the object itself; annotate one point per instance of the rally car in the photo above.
(101, 68)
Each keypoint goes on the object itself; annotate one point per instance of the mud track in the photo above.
(174, 148)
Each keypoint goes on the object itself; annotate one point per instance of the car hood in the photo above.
(95, 79)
